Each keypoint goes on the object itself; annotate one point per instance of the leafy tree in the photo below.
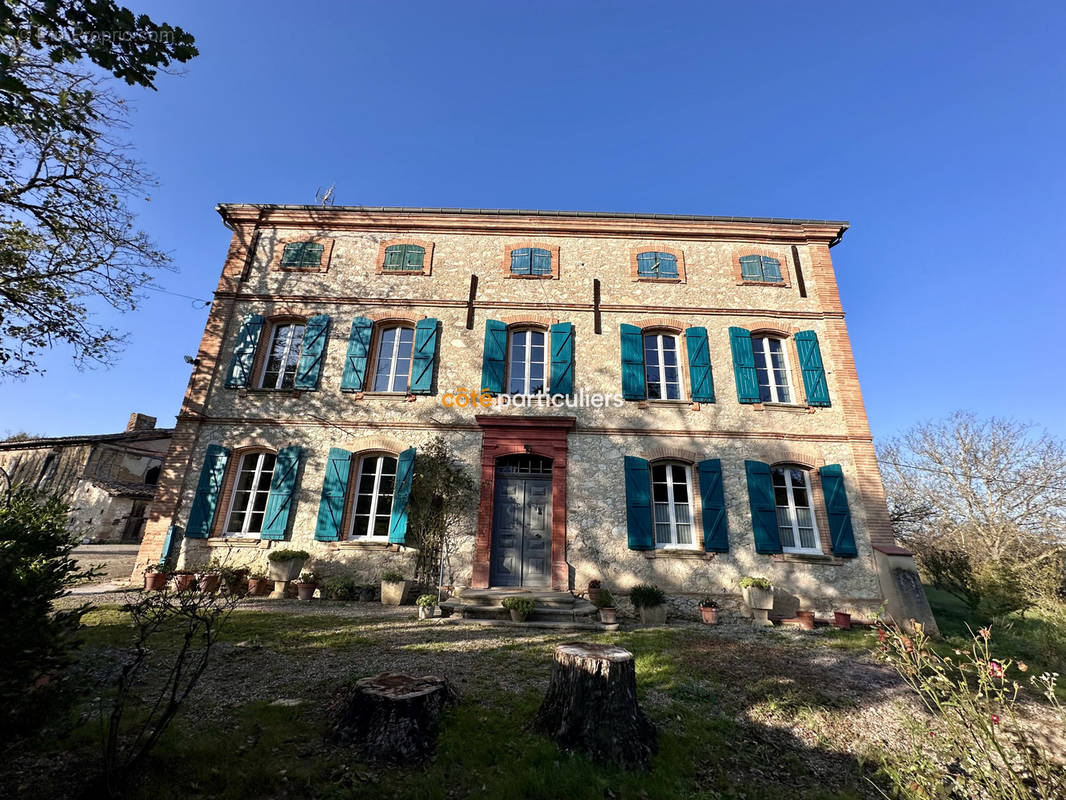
(68, 242)
(36, 568)
(982, 502)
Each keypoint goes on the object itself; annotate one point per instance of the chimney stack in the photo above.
(140, 422)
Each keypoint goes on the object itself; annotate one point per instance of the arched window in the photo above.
(656, 265)
(375, 484)
(152, 475)
(662, 373)
(248, 499)
(404, 258)
(672, 504)
(527, 362)
(771, 367)
(795, 511)
(392, 362)
(760, 268)
(279, 366)
(302, 255)
(531, 261)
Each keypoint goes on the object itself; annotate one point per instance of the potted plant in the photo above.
(709, 611)
(520, 607)
(235, 580)
(594, 589)
(650, 603)
(842, 620)
(258, 583)
(155, 577)
(759, 597)
(393, 588)
(306, 585)
(426, 603)
(605, 603)
(209, 578)
(340, 587)
(285, 566)
(183, 580)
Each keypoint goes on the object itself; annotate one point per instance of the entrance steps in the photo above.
(559, 610)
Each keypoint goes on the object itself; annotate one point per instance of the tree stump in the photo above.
(392, 717)
(591, 705)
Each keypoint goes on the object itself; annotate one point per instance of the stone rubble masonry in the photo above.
(583, 249)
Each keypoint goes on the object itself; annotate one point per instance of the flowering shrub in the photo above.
(977, 734)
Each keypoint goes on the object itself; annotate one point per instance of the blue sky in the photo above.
(937, 130)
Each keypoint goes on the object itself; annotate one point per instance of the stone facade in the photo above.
(594, 285)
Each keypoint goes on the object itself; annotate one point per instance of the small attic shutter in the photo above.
(638, 504)
(763, 508)
(240, 366)
(358, 355)
(562, 369)
(425, 356)
(541, 262)
(494, 358)
(208, 489)
(744, 365)
(279, 501)
(632, 363)
(699, 365)
(313, 352)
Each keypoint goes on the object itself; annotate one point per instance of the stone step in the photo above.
(493, 597)
(546, 624)
(575, 611)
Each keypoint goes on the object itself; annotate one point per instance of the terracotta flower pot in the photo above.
(209, 582)
(155, 581)
(806, 620)
(842, 620)
(594, 592)
(183, 581)
(305, 591)
(609, 616)
(258, 587)
(709, 615)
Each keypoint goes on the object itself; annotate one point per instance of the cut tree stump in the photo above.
(591, 705)
(392, 717)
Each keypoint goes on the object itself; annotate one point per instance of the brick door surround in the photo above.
(505, 435)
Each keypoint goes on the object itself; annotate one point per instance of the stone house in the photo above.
(642, 398)
(108, 479)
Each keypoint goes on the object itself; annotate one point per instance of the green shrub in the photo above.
(392, 577)
(748, 582)
(426, 600)
(523, 605)
(341, 587)
(708, 602)
(604, 599)
(646, 595)
(277, 556)
(36, 568)
(309, 577)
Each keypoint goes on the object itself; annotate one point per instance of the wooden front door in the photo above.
(521, 522)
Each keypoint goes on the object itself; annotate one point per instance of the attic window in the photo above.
(302, 255)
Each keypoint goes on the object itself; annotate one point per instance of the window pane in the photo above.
(658, 472)
(684, 534)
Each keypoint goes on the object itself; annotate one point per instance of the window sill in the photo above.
(808, 558)
(692, 554)
(396, 397)
(421, 272)
(796, 408)
(369, 544)
(778, 284)
(231, 541)
(532, 277)
(643, 279)
(668, 404)
(260, 390)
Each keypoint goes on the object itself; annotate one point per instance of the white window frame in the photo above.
(793, 515)
(369, 535)
(392, 359)
(274, 330)
(527, 361)
(762, 342)
(662, 383)
(244, 533)
(673, 544)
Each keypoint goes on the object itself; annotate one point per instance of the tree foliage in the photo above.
(982, 502)
(68, 241)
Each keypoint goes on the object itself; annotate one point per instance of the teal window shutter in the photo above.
(763, 507)
(279, 501)
(562, 369)
(841, 533)
(302, 254)
(810, 357)
(405, 471)
(540, 262)
(751, 268)
(771, 269)
(744, 365)
(404, 258)
(358, 355)
(334, 488)
(313, 353)
(638, 504)
(494, 359)
(208, 489)
(521, 261)
(699, 365)
(712, 500)
(633, 387)
(394, 257)
(425, 356)
(656, 265)
(240, 366)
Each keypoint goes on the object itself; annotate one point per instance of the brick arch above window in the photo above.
(553, 251)
(676, 252)
(671, 454)
(427, 261)
(367, 445)
(395, 316)
(276, 252)
(784, 454)
(671, 324)
(779, 255)
(528, 320)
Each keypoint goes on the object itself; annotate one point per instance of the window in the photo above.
(374, 487)
(657, 265)
(771, 367)
(760, 268)
(527, 366)
(795, 517)
(279, 371)
(404, 258)
(531, 261)
(393, 364)
(302, 255)
(662, 377)
(672, 504)
(250, 491)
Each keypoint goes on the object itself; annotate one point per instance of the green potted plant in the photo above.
(650, 603)
(426, 603)
(235, 580)
(759, 597)
(306, 585)
(340, 587)
(709, 611)
(605, 603)
(520, 607)
(258, 583)
(155, 577)
(285, 565)
(594, 589)
(393, 588)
